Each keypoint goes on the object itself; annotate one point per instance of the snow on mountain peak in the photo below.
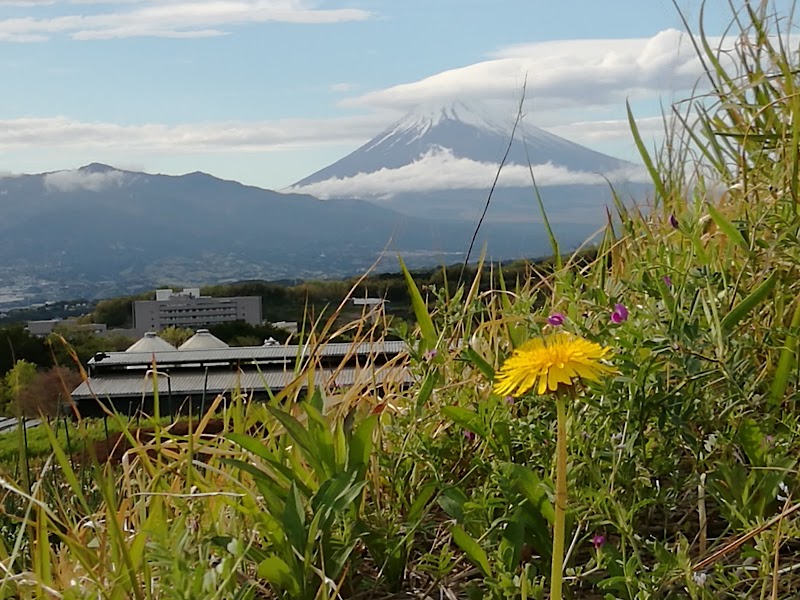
(415, 124)
(427, 116)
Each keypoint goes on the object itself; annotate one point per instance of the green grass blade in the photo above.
(545, 220)
(66, 468)
(661, 190)
(302, 437)
(472, 549)
(728, 228)
(755, 298)
(479, 362)
(467, 419)
(787, 360)
(426, 326)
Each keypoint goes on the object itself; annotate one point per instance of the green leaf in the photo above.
(467, 419)
(66, 468)
(272, 492)
(302, 438)
(553, 240)
(755, 298)
(452, 502)
(426, 389)
(472, 549)
(278, 573)
(293, 520)
(426, 327)
(316, 400)
(727, 228)
(648, 162)
(516, 333)
(752, 440)
(787, 360)
(340, 448)
(329, 496)
(319, 429)
(513, 542)
(420, 502)
(500, 439)
(535, 492)
(361, 442)
(257, 447)
(480, 363)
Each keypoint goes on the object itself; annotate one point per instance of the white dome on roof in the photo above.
(150, 342)
(203, 340)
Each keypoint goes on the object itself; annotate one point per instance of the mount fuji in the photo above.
(440, 163)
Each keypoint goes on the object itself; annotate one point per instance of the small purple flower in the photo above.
(556, 319)
(598, 541)
(673, 220)
(667, 281)
(510, 400)
(620, 314)
(430, 354)
(469, 435)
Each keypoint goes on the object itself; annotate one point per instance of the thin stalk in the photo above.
(557, 571)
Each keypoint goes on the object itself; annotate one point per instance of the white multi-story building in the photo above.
(189, 309)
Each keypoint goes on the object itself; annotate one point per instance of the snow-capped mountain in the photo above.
(441, 161)
(467, 134)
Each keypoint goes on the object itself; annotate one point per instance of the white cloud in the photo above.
(565, 74)
(593, 132)
(342, 87)
(187, 18)
(189, 138)
(438, 169)
(27, 2)
(91, 181)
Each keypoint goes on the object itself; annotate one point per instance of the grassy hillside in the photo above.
(673, 475)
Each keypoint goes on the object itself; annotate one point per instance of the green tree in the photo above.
(15, 381)
(246, 340)
(68, 342)
(176, 335)
(17, 344)
(236, 332)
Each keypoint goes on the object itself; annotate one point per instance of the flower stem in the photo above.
(557, 571)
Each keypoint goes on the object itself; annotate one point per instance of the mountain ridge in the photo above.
(101, 231)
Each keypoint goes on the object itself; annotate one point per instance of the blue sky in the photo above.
(268, 91)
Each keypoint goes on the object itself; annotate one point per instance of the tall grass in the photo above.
(683, 467)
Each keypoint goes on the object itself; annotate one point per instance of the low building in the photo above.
(46, 327)
(370, 302)
(190, 378)
(287, 326)
(189, 309)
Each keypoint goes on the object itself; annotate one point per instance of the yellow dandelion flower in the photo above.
(553, 361)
